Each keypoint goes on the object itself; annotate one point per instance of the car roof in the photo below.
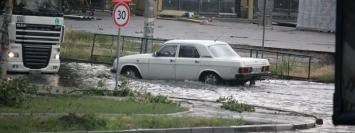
(196, 42)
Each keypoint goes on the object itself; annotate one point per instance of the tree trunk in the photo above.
(148, 25)
(5, 37)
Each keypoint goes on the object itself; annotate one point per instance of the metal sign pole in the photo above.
(118, 57)
(120, 16)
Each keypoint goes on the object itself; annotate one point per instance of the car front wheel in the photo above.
(131, 72)
(211, 78)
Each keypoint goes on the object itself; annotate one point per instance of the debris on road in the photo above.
(172, 13)
(78, 17)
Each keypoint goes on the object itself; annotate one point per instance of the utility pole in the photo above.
(262, 52)
(5, 37)
(148, 25)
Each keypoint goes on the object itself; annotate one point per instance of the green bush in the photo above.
(160, 99)
(13, 91)
(148, 97)
(124, 91)
(233, 105)
(87, 121)
(102, 91)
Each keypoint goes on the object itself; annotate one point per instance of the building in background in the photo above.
(318, 15)
(231, 8)
(237, 8)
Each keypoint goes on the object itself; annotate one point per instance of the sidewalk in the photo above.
(231, 32)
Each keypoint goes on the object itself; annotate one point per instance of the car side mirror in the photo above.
(155, 54)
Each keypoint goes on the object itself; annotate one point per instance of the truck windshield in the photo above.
(222, 51)
(38, 7)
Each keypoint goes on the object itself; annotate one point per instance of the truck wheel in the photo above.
(211, 78)
(131, 72)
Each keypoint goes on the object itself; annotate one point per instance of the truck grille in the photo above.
(36, 56)
(38, 34)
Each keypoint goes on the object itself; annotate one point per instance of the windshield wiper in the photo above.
(49, 12)
(22, 11)
(59, 14)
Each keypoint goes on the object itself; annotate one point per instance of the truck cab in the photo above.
(35, 34)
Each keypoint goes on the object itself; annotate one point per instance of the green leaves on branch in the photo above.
(230, 103)
(14, 91)
(125, 90)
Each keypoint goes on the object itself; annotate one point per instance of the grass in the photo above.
(16, 124)
(80, 38)
(323, 73)
(78, 45)
(70, 51)
(86, 104)
(319, 72)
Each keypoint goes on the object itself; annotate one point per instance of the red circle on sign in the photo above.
(120, 5)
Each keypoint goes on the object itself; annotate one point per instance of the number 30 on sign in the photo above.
(121, 14)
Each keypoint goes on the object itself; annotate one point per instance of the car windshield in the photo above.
(222, 50)
(38, 7)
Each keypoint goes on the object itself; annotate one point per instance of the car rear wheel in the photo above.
(211, 78)
(131, 72)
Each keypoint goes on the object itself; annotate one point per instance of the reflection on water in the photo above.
(69, 75)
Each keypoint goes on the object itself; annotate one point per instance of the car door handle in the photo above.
(197, 62)
(172, 60)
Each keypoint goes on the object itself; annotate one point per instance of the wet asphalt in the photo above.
(232, 32)
(297, 96)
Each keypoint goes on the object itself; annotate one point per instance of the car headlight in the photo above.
(12, 55)
(56, 57)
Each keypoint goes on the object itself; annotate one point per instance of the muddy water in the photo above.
(300, 96)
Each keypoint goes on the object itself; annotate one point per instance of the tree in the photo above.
(148, 24)
(5, 37)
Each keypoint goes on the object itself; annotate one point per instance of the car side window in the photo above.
(167, 51)
(188, 52)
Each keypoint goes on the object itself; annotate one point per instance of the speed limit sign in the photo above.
(121, 14)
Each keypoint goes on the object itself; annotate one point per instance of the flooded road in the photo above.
(299, 96)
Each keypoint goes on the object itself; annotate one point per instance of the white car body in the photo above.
(193, 59)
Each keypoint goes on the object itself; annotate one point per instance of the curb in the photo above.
(264, 107)
(232, 129)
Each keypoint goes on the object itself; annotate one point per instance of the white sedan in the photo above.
(212, 62)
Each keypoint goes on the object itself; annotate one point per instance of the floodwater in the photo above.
(299, 96)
